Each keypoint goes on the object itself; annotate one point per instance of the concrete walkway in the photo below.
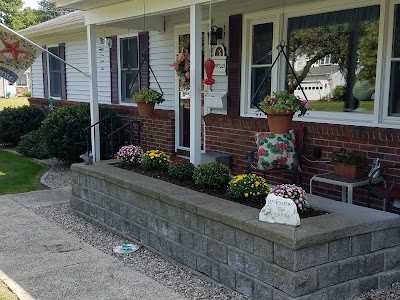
(48, 263)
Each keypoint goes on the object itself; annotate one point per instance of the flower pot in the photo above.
(279, 122)
(349, 171)
(146, 109)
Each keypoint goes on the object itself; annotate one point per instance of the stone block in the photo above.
(116, 222)
(392, 258)
(125, 227)
(134, 231)
(339, 292)
(107, 202)
(204, 266)
(389, 278)
(97, 184)
(98, 198)
(108, 218)
(227, 276)
(253, 266)
(115, 206)
(92, 211)
(152, 223)
(371, 263)
(366, 284)
(145, 236)
(181, 216)
(75, 178)
(339, 249)
(384, 239)
(184, 255)
(89, 182)
(348, 269)
(261, 291)
(328, 274)
(300, 259)
(236, 258)
(264, 249)
(319, 295)
(217, 250)
(244, 241)
(166, 246)
(124, 210)
(168, 229)
(200, 243)
(139, 216)
(244, 284)
(83, 180)
(100, 214)
(154, 241)
(186, 237)
(360, 244)
(220, 232)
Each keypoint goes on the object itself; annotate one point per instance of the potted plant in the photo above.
(146, 99)
(348, 163)
(280, 107)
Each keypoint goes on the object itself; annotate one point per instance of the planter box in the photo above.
(349, 171)
(345, 253)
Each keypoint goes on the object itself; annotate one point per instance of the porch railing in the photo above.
(128, 134)
(105, 126)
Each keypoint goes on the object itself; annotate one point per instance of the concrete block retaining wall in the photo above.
(330, 257)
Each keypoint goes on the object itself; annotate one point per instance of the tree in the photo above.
(8, 9)
(24, 18)
(48, 11)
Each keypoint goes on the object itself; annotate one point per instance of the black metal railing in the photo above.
(128, 134)
(105, 127)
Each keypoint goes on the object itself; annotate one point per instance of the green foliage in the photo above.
(338, 94)
(154, 160)
(148, 96)
(282, 102)
(368, 49)
(181, 169)
(8, 9)
(63, 132)
(250, 187)
(27, 94)
(349, 158)
(16, 122)
(32, 145)
(212, 175)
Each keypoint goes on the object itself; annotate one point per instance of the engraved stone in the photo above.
(279, 210)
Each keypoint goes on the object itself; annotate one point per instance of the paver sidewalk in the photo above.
(50, 264)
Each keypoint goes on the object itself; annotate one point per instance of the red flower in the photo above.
(263, 135)
(281, 146)
(262, 152)
(282, 160)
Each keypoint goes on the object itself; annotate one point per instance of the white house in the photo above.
(21, 86)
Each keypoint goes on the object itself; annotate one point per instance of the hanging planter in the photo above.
(145, 109)
(146, 99)
(279, 122)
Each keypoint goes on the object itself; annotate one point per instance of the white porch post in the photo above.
(195, 82)
(94, 103)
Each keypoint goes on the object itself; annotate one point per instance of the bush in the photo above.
(338, 93)
(181, 169)
(18, 121)
(129, 155)
(154, 160)
(27, 94)
(63, 133)
(212, 175)
(32, 145)
(250, 187)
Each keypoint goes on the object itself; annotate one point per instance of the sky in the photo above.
(30, 3)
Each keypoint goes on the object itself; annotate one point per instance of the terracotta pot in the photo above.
(349, 171)
(279, 122)
(146, 109)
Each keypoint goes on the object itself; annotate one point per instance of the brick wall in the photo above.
(157, 132)
(21, 90)
(236, 136)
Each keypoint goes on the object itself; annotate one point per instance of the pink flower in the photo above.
(262, 152)
(263, 135)
(281, 146)
(282, 160)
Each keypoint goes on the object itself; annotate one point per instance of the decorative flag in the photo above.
(16, 54)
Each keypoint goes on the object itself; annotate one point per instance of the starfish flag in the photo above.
(16, 54)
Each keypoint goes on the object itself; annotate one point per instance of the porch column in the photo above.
(94, 102)
(195, 82)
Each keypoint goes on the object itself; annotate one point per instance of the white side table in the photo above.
(347, 184)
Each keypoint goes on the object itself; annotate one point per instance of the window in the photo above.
(261, 60)
(394, 95)
(129, 67)
(54, 71)
(341, 47)
(23, 80)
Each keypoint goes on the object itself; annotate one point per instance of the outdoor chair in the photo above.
(294, 170)
(390, 194)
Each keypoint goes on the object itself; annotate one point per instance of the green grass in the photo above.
(19, 174)
(5, 293)
(13, 102)
(337, 106)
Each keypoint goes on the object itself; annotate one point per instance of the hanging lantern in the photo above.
(209, 65)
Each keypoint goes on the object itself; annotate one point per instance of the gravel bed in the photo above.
(167, 273)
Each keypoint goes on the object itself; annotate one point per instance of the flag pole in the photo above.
(43, 49)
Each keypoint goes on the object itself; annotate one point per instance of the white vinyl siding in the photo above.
(37, 78)
(77, 84)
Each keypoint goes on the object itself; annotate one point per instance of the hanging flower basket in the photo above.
(146, 109)
(279, 121)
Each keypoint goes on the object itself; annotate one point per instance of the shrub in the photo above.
(292, 191)
(213, 175)
(18, 121)
(154, 160)
(251, 187)
(338, 93)
(27, 94)
(63, 133)
(181, 169)
(129, 155)
(32, 145)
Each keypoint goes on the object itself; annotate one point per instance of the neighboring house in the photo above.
(252, 29)
(21, 86)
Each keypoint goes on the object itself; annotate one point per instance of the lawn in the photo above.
(19, 174)
(365, 106)
(5, 293)
(13, 102)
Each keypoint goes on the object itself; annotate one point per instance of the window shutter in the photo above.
(144, 57)
(63, 75)
(234, 64)
(114, 70)
(45, 74)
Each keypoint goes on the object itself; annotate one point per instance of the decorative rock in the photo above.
(279, 210)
